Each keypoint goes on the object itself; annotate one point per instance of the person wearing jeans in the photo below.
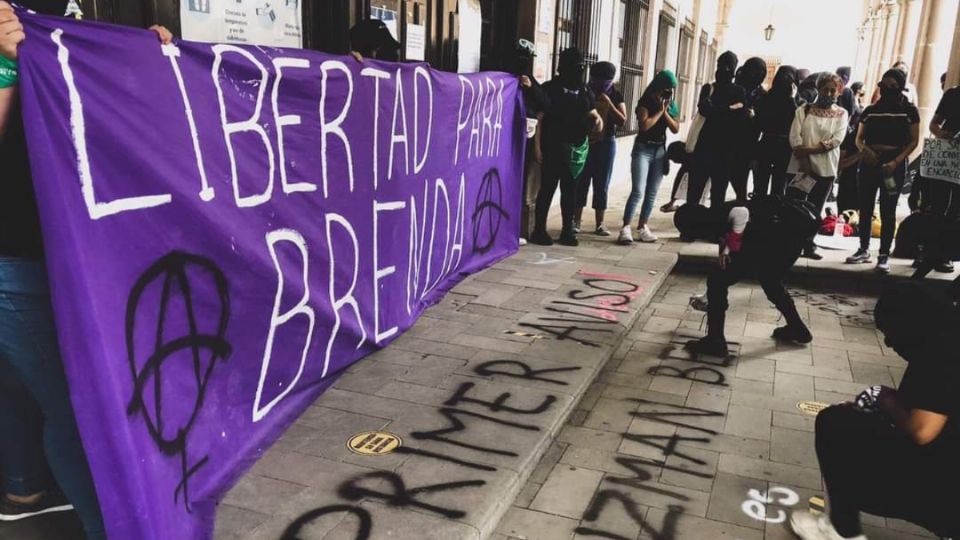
(603, 147)
(656, 113)
(889, 131)
(36, 415)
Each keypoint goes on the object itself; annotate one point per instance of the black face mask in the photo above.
(723, 75)
(572, 76)
(888, 92)
(388, 54)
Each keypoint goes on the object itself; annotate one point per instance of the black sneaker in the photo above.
(541, 237)
(51, 501)
(810, 252)
(568, 238)
(710, 346)
(883, 264)
(798, 334)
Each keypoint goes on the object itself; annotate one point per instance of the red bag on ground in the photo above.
(829, 224)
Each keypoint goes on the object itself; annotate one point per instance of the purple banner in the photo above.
(227, 227)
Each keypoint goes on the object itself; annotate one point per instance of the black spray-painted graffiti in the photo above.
(641, 476)
(488, 213)
(599, 305)
(188, 280)
(849, 310)
(459, 422)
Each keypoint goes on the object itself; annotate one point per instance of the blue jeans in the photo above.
(33, 393)
(646, 171)
(597, 171)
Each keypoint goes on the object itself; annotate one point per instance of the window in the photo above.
(667, 23)
(702, 61)
(631, 65)
(684, 67)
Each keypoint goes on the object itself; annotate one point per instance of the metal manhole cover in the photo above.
(374, 443)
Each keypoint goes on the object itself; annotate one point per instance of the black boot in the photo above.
(810, 252)
(795, 330)
(567, 236)
(541, 237)
(715, 343)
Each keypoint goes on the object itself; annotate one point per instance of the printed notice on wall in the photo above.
(274, 23)
(416, 41)
(941, 160)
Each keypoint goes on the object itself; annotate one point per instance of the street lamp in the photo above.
(768, 32)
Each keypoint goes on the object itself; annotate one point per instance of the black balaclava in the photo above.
(752, 74)
(844, 73)
(523, 59)
(918, 321)
(570, 68)
(808, 88)
(784, 81)
(726, 67)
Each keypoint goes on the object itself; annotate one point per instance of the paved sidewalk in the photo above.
(668, 445)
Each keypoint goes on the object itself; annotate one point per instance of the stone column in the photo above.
(953, 73)
(891, 16)
(874, 36)
(928, 74)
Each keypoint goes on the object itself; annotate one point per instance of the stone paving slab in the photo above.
(478, 390)
(698, 448)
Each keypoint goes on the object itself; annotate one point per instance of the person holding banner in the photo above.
(570, 117)
(889, 132)
(36, 415)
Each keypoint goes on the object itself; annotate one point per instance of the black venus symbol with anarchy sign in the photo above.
(195, 352)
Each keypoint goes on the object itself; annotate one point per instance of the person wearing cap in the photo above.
(889, 131)
(536, 103)
(603, 146)
(570, 117)
(370, 38)
(896, 453)
(38, 431)
(721, 104)
(909, 90)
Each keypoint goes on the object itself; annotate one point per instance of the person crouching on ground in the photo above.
(762, 240)
(893, 453)
(570, 116)
(657, 111)
(817, 132)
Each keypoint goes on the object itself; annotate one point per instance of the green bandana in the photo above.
(9, 74)
(578, 156)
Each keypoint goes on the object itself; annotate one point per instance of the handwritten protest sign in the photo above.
(941, 160)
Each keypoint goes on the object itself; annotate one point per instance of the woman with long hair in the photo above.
(657, 111)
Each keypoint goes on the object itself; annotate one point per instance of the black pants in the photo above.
(869, 182)
(766, 262)
(817, 197)
(714, 163)
(773, 156)
(556, 172)
(869, 466)
(847, 198)
(740, 168)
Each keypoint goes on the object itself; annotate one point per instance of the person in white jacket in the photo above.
(816, 134)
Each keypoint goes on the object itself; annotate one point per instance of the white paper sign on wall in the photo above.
(276, 23)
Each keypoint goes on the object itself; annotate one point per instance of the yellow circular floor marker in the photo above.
(374, 443)
(812, 407)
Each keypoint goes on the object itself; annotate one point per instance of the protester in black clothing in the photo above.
(750, 77)
(722, 106)
(940, 198)
(775, 112)
(762, 240)
(536, 103)
(847, 198)
(370, 38)
(889, 131)
(570, 117)
(806, 87)
(677, 153)
(603, 146)
(846, 99)
(893, 453)
(858, 94)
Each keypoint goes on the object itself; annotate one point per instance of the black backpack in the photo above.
(779, 218)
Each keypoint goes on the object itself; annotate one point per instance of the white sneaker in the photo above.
(646, 236)
(626, 237)
(810, 527)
